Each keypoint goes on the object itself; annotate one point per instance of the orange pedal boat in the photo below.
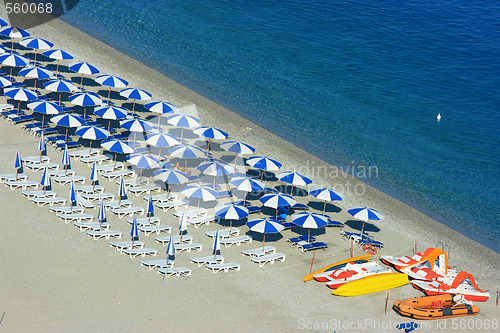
(435, 307)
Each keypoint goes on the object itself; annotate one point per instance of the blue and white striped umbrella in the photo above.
(72, 194)
(83, 68)
(85, 99)
(13, 60)
(122, 190)
(60, 86)
(216, 245)
(309, 221)
(91, 132)
(4, 82)
(215, 168)
(326, 194)
(365, 214)
(183, 121)
(134, 233)
(182, 224)
(117, 146)
(275, 200)
(101, 216)
(3, 23)
(20, 94)
(160, 107)
(136, 125)
(211, 133)
(45, 181)
(110, 113)
(200, 192)
(111, 82)
(238, 148)
(41, 144)
(162, 140)
(265, 226)
(143, 161)
(231, 211)
(247, 184)
(38, 73)
(187, 151)
(170, 248)
(36, 44)
(66, 162)
(264, 163)
(294, 178)
(44, 107)
(18, 162)
(67, 120)
(150, 211)
(93, 174)
(135, 94)
(14, 32)
(58, 55)
(170, 176)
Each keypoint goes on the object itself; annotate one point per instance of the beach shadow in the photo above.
(259, 237)
(235, 223)
(304, 231)
(266, 175)
(318, 205)
(89, 82)
(294, 191)
(356, 225)
(114, 95)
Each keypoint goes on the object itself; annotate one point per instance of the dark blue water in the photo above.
(353, 82)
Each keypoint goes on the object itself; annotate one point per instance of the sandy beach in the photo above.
(56, 278)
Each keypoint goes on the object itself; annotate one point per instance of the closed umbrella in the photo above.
(93, 176)
(72, 195)
(45, 181)
(122, 191)
(18, 163)
(150, 211)
(101, 216)
(182, 226)
(134, 234)
(216, 245)
(41, 144)
(65, 159)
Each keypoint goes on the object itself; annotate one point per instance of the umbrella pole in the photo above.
(159, 118)
(60, 96)
(264, 242)
(362, 227)
(81, 82)
(57, 67)
(182, 129)
(140, 177)
(84, 112)
(34, 86)
(66, 138)
(109, 94)
(114, 166)
(324, 208)
(133, 106)
(90, 149)
(35, 56)
(18, 107)
(109, 125)
(230, 226)
(208, 147)
(93, 186)
(262, 176)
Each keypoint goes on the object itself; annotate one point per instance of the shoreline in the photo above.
(285, 303)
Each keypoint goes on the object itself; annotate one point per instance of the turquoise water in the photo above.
(354, 83)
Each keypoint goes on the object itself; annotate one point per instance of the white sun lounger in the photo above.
(89, 189)
(24, 184)
(63, 180)
(178, 271)
(259, 252)
(110, 167)
(106, 234)
(114, 204)
(67, 209)
(146, 188)
(41, 166)
(71, 217)
(224, 233)
(48, 201)
(164, 197)
(120, 246)
(145, 221)
(94, 226)
(186, 239)
(121, 212)
(38, 194)
(162, 263)
(61, 173)
(84, 203)
(149, 229)
(201, 220)
(215, 268)
(228, 242)
(191, 213)
(262, 260)
(98, 196)
(112, 175)
(133, 182)
(208, 260)
(139, 252)
(188, 247)
(12, 177)
(96, 158)
(84, 153)
(166, 206)
(35, 159)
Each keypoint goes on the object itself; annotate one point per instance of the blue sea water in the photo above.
(352, 82)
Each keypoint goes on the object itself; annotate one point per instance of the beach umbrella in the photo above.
(170, 248)
(143, 162)
(200, 192)
(238, 148)
(161, 108)
(3, 23)
(2, 50)
(101, 215)
(264, 163)
(150, 211)
(67, 120)
(294, 178)
(110, 113)
(65, 158)
(85, 99)
(72, 194)
(14, 32)
(136, 126)
(309, 221)
(186, 152)
(4, 82)
(18, 163)
(41, 144)
(160, 140)
(135, 94)
(182, 225)
(58, 55)
(20, 94)
(83, 68)
(215, 168)
(36, 44)
(265, 226)
(13, 60)
(44, 107)
(326, 194)
(37, 73)
(117, 147)
(111, 82)
(365, 214)
(60, 86)
(45, 182)
(122, 190)
(210, 133)
(93, 176)
(247, 184)
(183, 121)
(134, 234)
(230, 211)
(216, 246)
(275, 200)
(171, 177)
(91, 133)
